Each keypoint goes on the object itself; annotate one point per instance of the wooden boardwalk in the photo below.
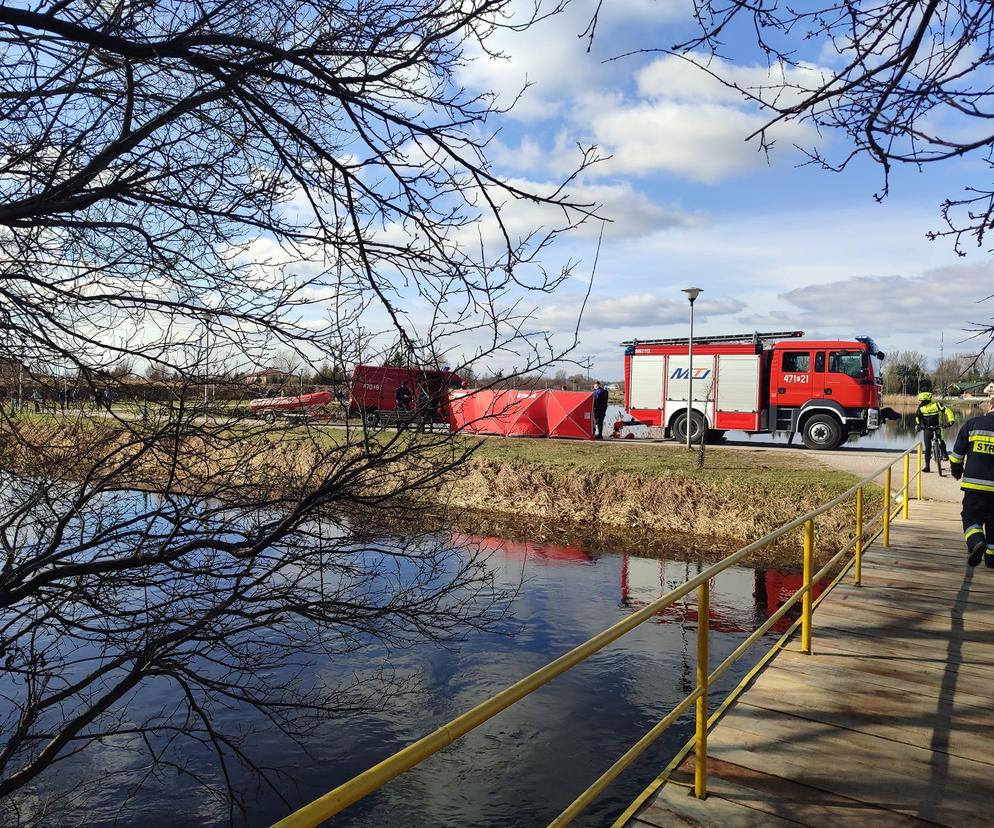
(889, 722)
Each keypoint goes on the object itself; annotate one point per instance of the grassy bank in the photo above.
(651, 497)
(644, 497)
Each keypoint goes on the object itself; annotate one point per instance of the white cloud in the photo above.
(644, 310)
(703, 142)
(527, 155)
(947, 298)
(552, 56)
(682, 79)
(667, 115)
(630, 214)
(686, 122)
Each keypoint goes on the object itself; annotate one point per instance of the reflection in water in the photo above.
(521, 550)
(643, 580)
(522, 767)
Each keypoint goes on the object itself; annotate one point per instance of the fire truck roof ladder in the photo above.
(755, 337)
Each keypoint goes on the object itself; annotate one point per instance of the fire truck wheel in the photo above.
(680, 428)
(372, 419)
(822, 431)
(269, 417)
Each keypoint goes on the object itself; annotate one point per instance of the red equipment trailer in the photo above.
(826, 390)
(373, 392)
(294, 408)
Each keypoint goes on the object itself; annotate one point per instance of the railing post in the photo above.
(703, 664)
(919, 479)
(907, 487)
(859, 536)
(887, 507)
(809, 548)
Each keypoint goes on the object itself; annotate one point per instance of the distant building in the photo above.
(268, 376)
(975, 390)
(9, 367)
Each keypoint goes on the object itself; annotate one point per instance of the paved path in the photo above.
(889, 722)
(864, 463)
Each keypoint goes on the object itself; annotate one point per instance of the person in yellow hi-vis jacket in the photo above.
(972, 463)
(933, 416)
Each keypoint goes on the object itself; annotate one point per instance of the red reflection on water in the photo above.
(551, 553)
(643, 580)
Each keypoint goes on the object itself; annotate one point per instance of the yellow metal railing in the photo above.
(371, 780)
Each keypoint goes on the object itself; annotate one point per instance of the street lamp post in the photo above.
(692, 294)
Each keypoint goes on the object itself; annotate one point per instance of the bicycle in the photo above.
(933, 437)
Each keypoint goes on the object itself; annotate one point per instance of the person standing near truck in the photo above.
(403, 395)
(404, 399)
(972, 463)
(600, 409)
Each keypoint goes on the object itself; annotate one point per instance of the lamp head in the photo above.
(692, 293)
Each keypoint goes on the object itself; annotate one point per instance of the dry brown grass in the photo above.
(662, 511)
(646, 498)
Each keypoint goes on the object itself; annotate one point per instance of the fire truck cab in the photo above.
(825, 390)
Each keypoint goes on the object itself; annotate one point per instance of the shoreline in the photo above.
(656, 506)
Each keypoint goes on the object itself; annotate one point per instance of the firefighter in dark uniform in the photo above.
(972, 463)
(932, 416)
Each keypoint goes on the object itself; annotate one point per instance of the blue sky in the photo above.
(773, 244)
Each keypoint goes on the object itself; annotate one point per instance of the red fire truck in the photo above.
(760, 383)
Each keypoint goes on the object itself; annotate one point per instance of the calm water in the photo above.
(524, 766)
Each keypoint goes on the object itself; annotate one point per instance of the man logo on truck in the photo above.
(684, 373)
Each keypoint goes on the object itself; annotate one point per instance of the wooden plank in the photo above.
(919, 565)
(946, 547)
(870, 769)
(899, 621)
(787, 799)
(949, 725)
(829, 641)
(676, 805)
(887, 603)
(882, 589)
(927, 650)
(931, 679)
(941, 561)
(971, 645)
